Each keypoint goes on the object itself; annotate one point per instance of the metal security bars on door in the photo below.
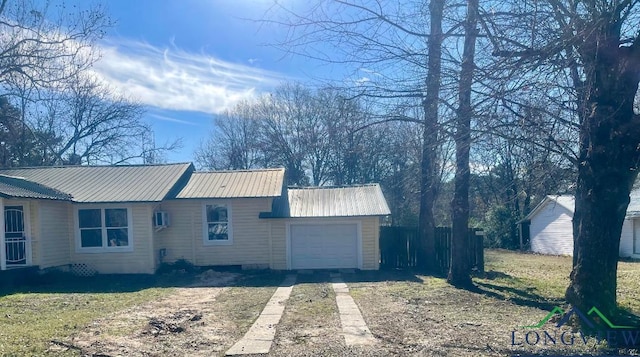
(15, 239)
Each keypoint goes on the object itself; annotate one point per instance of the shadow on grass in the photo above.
(514, 290)
(33, 281)
(273, 278)
(67, 283)
(518, 296)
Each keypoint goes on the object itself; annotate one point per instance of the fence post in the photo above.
(479, 235)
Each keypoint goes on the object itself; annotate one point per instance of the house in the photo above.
(130, 219)
(551, 226)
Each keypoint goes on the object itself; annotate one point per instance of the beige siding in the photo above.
(630, 238)
(552, 230)
(138, 261)
(370, 243)
(279, 244)
(53, 233)
(178, 239)
(37, 251)
(184, 238)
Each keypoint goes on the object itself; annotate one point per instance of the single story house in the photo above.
(551, 226)
(130, 219)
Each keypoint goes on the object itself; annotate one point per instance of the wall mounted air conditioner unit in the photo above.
(160, 219)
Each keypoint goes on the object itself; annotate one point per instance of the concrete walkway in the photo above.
(354, 328)
(260, 336)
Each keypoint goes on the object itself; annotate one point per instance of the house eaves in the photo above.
(108, 184)
(18, 187)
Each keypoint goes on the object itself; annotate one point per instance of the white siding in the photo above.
(630, 238)
(552, 231)
(138, 261)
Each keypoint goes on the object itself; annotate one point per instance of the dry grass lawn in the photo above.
(409, 314)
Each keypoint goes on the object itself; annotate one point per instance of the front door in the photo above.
(15, 237)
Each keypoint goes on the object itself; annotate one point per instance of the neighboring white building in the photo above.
(551, 228)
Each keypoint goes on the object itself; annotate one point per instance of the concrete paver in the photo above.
(260, 335)
(354, 329)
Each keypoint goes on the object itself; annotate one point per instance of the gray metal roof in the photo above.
(633, 210)
(234, 184)
(351, 201)
(16, 187)
(126, 183)
(566, 201)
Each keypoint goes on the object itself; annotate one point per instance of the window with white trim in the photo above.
(104, 228)
(217, 224)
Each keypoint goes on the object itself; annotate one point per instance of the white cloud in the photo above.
(171, 78)
(172, 119)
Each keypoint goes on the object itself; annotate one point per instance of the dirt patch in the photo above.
(310, 320)
(187, 322)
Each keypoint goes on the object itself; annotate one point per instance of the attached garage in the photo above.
(327, 228)
(324, 246)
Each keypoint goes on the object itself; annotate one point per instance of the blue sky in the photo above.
(189, 59)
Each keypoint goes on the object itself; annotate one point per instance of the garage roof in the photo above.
(349, 201)
(234, 184)
(16, 187)
(98, 184)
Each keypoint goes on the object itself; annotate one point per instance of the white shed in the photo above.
(551, 228)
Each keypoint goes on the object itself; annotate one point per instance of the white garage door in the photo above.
(324, 246)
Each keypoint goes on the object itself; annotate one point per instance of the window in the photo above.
(217, 224)
(104, 228)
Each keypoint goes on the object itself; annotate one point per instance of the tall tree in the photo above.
(597, 44)
(401, 60)
(460, 267)
(430, 140)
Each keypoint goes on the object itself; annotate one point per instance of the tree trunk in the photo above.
(428, 165)
(608, 162)
(460, 267)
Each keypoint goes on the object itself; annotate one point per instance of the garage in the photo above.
(326, 228)
(324, 246)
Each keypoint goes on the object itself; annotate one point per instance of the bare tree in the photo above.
(597, 45)
(43, 44)
(460, 267)
(396, 62)
(91, 124)
(233, 143)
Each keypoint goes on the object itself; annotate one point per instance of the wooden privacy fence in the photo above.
(400, 248)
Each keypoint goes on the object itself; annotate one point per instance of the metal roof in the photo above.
(633, 210)
(350, 201)
(17, 187)
(234, 184)
(126, 183)
(566, 201)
